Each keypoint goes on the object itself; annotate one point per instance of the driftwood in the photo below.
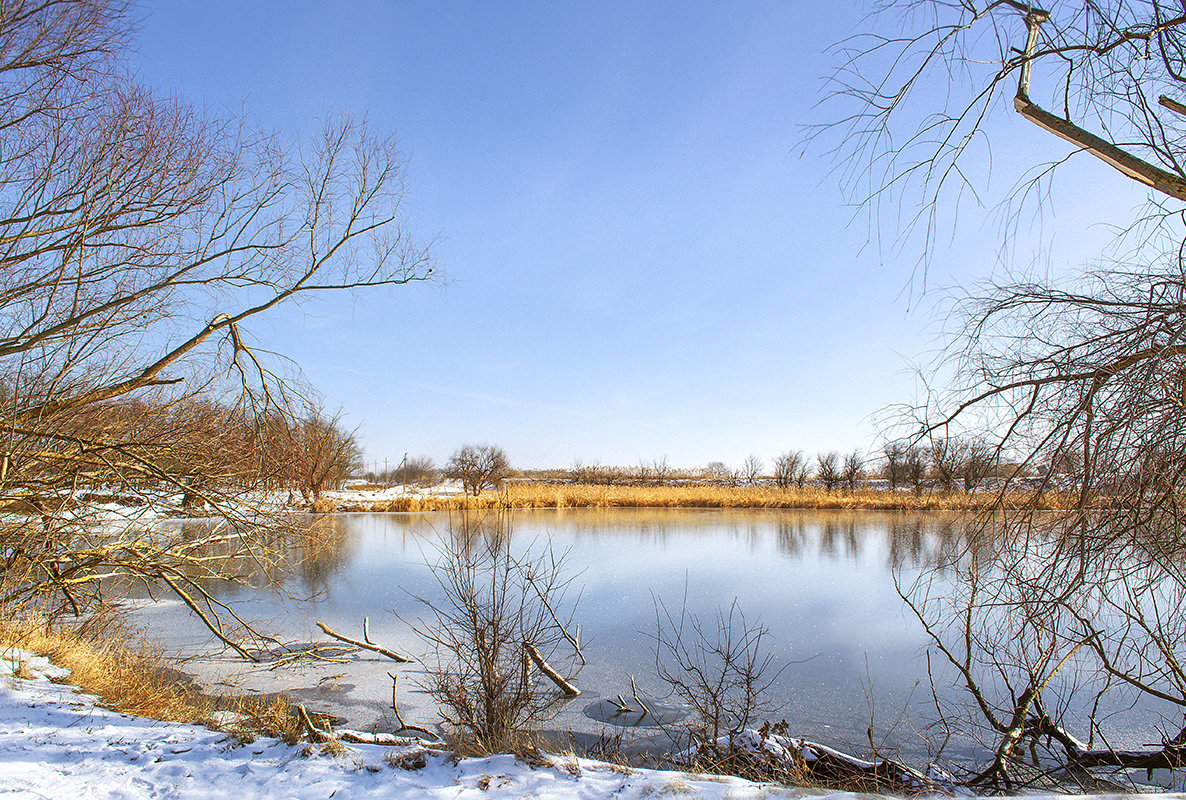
(547, 669)
(364, 645)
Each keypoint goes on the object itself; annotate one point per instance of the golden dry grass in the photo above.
(110, 661)
(571, 495)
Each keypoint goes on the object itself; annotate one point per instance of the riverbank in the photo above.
(57, 742)
(575, 495)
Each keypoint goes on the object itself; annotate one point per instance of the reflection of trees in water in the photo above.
(913, 540)
(308, 554)
(321, 551)
(489, 529)
(909, 539)
(1054, 630)
(310, 550)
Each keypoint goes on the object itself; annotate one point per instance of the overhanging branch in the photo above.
(1136, 168)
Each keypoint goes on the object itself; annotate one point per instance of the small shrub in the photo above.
(495, 604)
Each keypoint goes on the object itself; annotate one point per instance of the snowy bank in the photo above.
(58, 743)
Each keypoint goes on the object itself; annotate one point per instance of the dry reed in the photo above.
(111, 661)
(575, 495)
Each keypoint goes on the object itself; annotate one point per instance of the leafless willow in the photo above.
(478, 467)
(1076, 380)
(139, 238)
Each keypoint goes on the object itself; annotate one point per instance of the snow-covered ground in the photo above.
(353, 492)
(57, 743)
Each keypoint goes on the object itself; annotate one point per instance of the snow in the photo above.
(56, 742)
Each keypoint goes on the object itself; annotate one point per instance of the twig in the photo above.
(383, 651)
(622, 708)
(637, 699)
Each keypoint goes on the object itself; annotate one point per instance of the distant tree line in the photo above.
(943, 464)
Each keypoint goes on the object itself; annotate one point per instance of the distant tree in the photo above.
(914, 467)
(827, 469)
(787, 467)
(660, 471)
(854, 469)
(478, 467)
(751, 469)
(718, 471)
(893, 469)
(978, 463)
(802, 475)
(323, 453)
(947, 456)
(642, 473)
(416, 470)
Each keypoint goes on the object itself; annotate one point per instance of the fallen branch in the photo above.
(382, 739)
(546, 668)
(573, 640)
(315, 734)
(403, 726)
(383, 651)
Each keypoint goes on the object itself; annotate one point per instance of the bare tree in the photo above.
(139, 238)
(751, 469)
(914, 467)
(720, 668)
(802, 475)
(979, 461)
(718, 471)
(827, 470)
(661, 470)
(894, 454)
(478, 467)
(1084, 371)
(322, 454)
(787, 467)
(418, 470)
(853, 470)
(947, 456)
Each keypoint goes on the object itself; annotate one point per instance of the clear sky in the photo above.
(640, 260)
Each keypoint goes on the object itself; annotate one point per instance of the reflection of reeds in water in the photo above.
(562, 495)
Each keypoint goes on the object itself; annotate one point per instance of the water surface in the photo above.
(821, 582)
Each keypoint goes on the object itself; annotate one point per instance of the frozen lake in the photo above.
(822, 582)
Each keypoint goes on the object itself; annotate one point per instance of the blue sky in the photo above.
(640, 260)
